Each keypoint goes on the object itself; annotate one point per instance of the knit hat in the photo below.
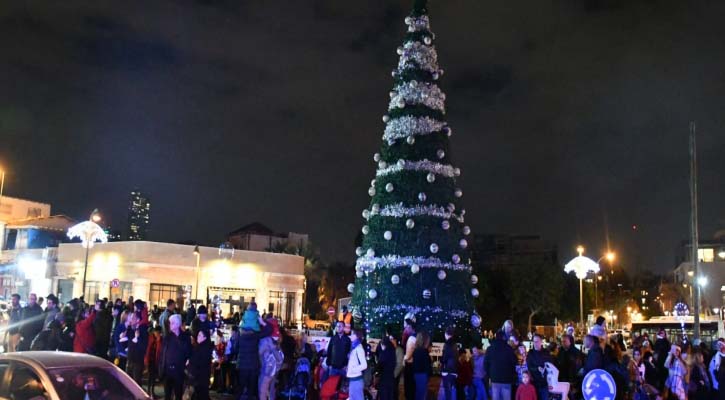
(275, 328)
(201, 310)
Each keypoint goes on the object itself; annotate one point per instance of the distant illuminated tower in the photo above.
(139, 209)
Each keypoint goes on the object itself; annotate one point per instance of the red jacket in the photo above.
(526, 392)
(153, 350)
(85, 337)
(465, 373)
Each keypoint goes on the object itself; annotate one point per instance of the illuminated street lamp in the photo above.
(89, 232)
(581, 266)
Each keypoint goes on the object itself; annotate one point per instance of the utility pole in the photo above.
(693, 230)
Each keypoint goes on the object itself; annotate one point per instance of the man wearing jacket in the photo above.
(248, 361)
(449, 359)
(32, 322)
(175, 353)
(16, 318)
(536, 364)
(337, 351)
(500, 367)
(138, 336)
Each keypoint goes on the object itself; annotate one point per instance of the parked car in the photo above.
(51, 375)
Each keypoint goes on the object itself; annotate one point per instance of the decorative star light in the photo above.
(581, 266)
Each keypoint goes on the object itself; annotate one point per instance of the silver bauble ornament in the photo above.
(457, 171)
(431, 177)
(375, 208)
(386, 119)
(440, 153)
(422, 196)
(382, 164)
(372, 293)
(376, 157)
(389, 187)
(359, 274)
(451, 207)
(426, 294)
(475, 320)
(427, 40)
(409, 223)
(372, 182)
(441, 274)
(410, 140)
(351, 287)
(366, 213)
(371, 192)
(456, 259)
(413, 83)
(449, 131)
(466, 230)
(415, 268)
(359, 251)
(400, 103)
(474, 292)
(395, 279)
(370, 253)
(365, 229)
(474, 279)
(387, 235)
(399, 50)
(433, 248)
(401, 163)
(458, 193)
(435, 76)
(445, 224)
(463, 243)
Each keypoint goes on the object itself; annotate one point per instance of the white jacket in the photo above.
(356, 362)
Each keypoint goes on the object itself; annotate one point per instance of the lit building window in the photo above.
(706, 255)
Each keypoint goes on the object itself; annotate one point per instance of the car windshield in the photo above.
(97, 383)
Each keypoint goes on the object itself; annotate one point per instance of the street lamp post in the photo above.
(581, 266)
(196, 287)
(89, 232)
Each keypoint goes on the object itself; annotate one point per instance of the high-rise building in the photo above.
(139, 210)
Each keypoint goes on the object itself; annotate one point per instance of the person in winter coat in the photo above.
(527, 391)
(449, 361)
(119, 347)
(200, 365)
(677, 373)
(409, 344)
(464, 380)
(248, 361)
(153, 356)
(271, 359)
(102, 328)
(595, 357)
(229, 366)
(718, 369)
(479, 372)
(32, 317)
(16, 319)
(175, 353)
(500, 367)
(337, 350)
(661, 352)
(386, 366)
(51, 309)
(699, 386)
(569, 360)
(356, 364)
(536, 364)
(52, 339)
(201, 322)
(85, 337)
(138, 338)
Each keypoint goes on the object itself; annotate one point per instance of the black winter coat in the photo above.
(248, 356)
(176, 351)
(568, 362)
(534, 361)
(137, 350)
(595, 359)
(449, 358)
(32, 322)
(200, 363)
(500, 362)
(337, 351)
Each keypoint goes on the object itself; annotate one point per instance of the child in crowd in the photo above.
(251, 317)
(526, 391)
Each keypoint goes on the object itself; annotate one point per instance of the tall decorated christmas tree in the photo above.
(414, 259)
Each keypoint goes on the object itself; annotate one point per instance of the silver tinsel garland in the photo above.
(393, 261)
(418, 310)
(423, 165)
(400, 211)
(416, 55)
(417, 23)
(413, 92)
(406, 126)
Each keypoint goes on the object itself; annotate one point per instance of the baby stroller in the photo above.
(299, 382)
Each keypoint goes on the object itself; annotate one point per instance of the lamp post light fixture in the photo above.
(197, 254)
(88, 232)
(581, 266)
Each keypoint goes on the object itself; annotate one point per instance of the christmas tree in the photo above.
(414, 258)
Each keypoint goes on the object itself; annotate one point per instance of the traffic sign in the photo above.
(598, 384)
(115, 283)
(331, 311)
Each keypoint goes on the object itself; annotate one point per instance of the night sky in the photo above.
(570, 117)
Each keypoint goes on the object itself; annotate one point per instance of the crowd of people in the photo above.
(257, 357)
